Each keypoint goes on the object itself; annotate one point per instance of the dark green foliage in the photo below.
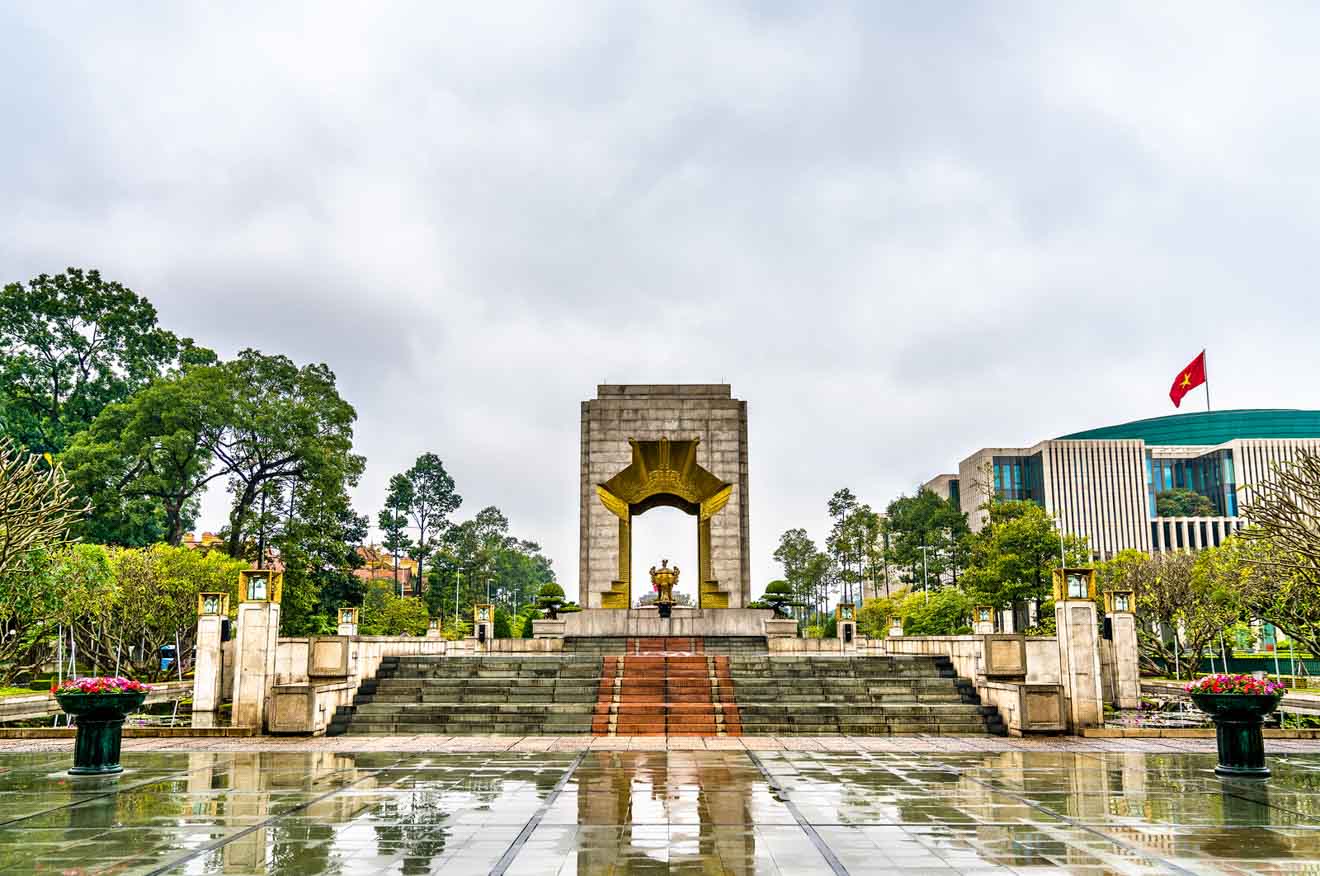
(503, 629)
(943, 612)
(528, 616)
(1013, 555)
(426, 492)
(778, 596)
(393, 523)
(1180, 502)
(550, 599)
(939, 525)
(70, 344)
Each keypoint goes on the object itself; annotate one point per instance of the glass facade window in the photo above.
(1019, 477)
(1210, 475)
(955, 495)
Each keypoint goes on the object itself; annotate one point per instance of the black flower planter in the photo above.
(100, 729)
(1238, 719)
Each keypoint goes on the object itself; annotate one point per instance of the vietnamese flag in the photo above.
(1188, 379)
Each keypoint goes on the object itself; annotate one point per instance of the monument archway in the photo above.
(678, 446)
(665, 473)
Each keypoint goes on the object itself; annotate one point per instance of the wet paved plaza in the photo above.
(311, 810)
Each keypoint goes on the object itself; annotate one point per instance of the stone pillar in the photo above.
(1079, 662)
(209, 668)
(1127, 668)
(254, 661)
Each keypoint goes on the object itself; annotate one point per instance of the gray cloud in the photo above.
(901, 232)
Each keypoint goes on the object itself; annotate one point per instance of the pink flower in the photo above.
(100, 684)
(1235, 684)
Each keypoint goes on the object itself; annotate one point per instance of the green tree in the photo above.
(71, 584)
(428, 493)
(1270, 588)
(503, 625)
(319, 548)
(144, 463)
(927, 537)
(876, 615)
(1183, 603)
(1285, 569)
(283, 425)
(70, 344)
(806, 570)
(526, 619)
(393, 523)
(1180, 502)
(406, 616)
(1013, 556)
(942, 612)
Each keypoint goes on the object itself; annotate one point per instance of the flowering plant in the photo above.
(100, 685)
(1235, 684)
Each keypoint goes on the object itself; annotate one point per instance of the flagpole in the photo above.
(1205, 366)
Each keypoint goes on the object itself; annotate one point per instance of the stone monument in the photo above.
(681, 446)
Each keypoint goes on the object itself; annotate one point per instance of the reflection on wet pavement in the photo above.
(623, 812)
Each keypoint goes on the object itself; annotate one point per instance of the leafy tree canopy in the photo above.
(1012, 557)
(70, 344)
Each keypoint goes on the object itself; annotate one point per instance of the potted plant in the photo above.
(100, 705)
(1238, 705)
(550, 599)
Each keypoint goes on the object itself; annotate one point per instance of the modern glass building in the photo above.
(1106, 483)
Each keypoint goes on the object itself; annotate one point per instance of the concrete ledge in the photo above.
(132, 732)
(1183, 733)
(647, 623)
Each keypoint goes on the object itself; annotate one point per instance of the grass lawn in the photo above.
(17, 692)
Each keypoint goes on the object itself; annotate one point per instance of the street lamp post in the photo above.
(925, 575)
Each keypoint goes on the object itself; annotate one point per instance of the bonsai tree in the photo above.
(550, 599)
(778, 597)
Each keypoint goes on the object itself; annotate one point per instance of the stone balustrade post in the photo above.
(1079, 662)
(208, 669)
(1127, 667)
(254, 661)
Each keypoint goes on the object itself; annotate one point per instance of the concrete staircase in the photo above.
(859, 696)
(670, 686)
(513, 695)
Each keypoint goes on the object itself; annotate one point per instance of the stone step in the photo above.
(711, 687)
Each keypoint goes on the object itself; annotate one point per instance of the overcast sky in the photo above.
(900, 231)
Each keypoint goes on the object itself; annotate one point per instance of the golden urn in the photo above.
(663, 580)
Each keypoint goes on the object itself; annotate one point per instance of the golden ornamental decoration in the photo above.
(663, 580)
(664, 472)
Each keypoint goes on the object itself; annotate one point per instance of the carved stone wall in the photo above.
(625, 424)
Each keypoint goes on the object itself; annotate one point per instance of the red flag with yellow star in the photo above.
(1188, 379)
